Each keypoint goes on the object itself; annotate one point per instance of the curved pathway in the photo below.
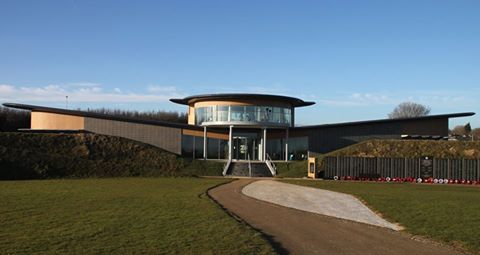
(299, 232)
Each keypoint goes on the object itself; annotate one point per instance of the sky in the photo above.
(356, 59)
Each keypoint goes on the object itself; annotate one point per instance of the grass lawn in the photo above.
(443, 212)
(120, 216)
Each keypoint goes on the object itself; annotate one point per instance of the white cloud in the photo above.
(85, 93)
(431, 98)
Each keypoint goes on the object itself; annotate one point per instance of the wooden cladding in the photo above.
(209, 134)
(55, 121)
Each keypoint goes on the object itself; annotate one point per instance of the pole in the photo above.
(264, 144)
(230, 143)
(204, 142)
(286, 145)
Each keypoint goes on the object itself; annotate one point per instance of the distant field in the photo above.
(443, 212)
(119, 216)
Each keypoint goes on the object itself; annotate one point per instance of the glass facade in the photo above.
(297, 148)
(243, 144)
(247, 114)
(192, 147)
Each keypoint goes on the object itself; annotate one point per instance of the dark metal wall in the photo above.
(329, 138)
(372, 168)
(167, 138)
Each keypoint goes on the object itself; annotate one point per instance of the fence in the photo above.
(441, 168)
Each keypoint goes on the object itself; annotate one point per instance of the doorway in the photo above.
(247, 147)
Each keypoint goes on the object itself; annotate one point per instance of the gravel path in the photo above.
(334, 204)
(293, 231)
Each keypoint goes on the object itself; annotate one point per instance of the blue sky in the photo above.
(356, 59)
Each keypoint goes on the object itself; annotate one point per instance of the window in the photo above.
(240, 113)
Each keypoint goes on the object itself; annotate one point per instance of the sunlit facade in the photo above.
(256, 127)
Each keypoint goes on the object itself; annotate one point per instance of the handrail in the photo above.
(249, 165)
(271, 166)
(226, 166)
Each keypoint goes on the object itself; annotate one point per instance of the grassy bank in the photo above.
(446, 213)
(291, 169)
(42, 156)
(119, 216)
(411, 149)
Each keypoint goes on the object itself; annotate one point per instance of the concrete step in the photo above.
(259, 169)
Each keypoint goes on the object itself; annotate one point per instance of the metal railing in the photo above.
(271, 166)
(226, 166)
(249, 165)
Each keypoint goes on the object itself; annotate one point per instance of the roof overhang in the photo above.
(295, 102)
(366, 122)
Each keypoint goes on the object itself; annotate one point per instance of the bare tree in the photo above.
(409, 110)
(476, 134)
(459, 131)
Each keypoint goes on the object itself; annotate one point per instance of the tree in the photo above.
(459, 131)
(409, 110)
(468, 128)
(476, 134)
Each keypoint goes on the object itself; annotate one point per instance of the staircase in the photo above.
(259, 169)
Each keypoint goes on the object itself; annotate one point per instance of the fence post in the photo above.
(404, 167)
(463, 169)
(363, 166)
(337, 165)
(433, 167)
(419, 166)
(448, 168)
(478, 170)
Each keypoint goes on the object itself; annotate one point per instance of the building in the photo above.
(238, 128)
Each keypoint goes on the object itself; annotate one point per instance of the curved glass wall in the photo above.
(239, 114)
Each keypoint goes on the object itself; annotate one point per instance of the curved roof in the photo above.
(295, 102)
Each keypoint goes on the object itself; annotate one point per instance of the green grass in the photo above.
(120, 216)
(291, 169)
(447, 213)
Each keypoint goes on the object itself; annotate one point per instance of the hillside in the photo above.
(411, 149)
(40, 156)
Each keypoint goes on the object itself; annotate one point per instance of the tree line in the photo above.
(12, 119)
(465, 132)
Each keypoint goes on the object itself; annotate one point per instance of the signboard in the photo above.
(426, 167)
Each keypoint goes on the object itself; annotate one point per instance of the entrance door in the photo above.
(247, 145)
(240, 148)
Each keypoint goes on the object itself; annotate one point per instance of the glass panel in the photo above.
(187, 146)
(199, 115)
(212, 148)
(266, 114)
(198, 147)
(297, 148)
(223, 150)
(236, 113)
(249, 113)
(222, 113)
(276, 148)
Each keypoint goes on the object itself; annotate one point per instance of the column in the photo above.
(204, 142)
(230, 135)
(264, 144)
(286, 145)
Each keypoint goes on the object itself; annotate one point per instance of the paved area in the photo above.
(294, 231)
(319, 201)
